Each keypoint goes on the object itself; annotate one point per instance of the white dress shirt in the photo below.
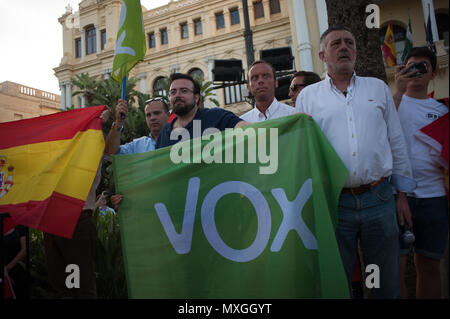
(275, 110)
(363, 127)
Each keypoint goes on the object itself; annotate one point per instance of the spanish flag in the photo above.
(47, 167)
(389, 46)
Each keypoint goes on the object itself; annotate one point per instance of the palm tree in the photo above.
(206, 91)
(352, 14)
(87, 86)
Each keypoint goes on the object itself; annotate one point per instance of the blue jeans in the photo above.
(372, 218)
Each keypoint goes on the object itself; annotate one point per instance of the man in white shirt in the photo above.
(262, 84)
(358, 116)
(156, 115)
(428, 202)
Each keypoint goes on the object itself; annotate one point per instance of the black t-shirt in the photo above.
(215, 117)
(11, 243)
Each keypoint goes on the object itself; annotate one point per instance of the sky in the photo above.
(31, 40)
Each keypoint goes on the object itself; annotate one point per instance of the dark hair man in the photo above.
(358, 116)
(184, 96)
(262, 84)
(428, 202)
(156, 115)
(300, 80)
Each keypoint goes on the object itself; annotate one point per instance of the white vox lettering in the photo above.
(119, 48)
(262, 212)
(73, 280)
(373, 19)
(292, 218)
(373, 279)
(181, 242)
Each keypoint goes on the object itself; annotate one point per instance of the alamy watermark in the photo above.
(373, 19)
(260, 144)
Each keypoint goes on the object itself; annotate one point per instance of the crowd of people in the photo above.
(394, 181)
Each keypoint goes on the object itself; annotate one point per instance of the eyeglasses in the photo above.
(182, 91)
(161, 99)
(155, 99)
(295, 87)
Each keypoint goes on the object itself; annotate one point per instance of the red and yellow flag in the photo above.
(389, 46)
(47, 167)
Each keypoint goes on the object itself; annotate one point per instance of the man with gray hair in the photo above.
(358, 116)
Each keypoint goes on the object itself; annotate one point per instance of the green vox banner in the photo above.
(242, 213)
(130, 42)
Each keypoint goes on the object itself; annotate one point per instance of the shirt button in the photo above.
(350, 119)
(353, 135)
(354, 173)
(354, 154)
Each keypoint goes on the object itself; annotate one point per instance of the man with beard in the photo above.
(358, 116)
(156, 115)
(262, 84)
(184, 96)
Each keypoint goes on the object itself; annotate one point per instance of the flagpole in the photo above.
(124, 87)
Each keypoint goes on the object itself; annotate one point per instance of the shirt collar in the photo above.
(350, 88)
(272, 109)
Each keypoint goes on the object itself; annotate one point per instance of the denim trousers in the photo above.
(371, 217)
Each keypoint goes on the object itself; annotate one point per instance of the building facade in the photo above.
(19, 102)
(188, 35)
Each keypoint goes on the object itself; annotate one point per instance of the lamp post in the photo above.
(248, 35)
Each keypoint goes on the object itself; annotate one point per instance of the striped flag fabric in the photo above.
(408, 41)
(47, 166)
(389, 46)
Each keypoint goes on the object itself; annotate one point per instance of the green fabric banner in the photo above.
(130, 42)
(260, 227)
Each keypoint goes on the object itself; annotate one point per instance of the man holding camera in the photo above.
(428, 203)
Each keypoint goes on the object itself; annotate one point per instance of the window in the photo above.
(151, 40)
(220, 21)
(274, 6)
(234, 93)
(442, 26)
(164, 36)
(184, 30)
(103, 37)
(234, 16)
(399, 38)
(198, 26)
(78, 47)
(160, 85)
(258, 9)
(91, 40)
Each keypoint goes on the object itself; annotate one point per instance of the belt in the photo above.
(363, 188)
(86, 213)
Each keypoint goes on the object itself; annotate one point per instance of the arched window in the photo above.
(399, 38)
(196, 72)
(160, 86)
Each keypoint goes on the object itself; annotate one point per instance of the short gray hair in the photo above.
(331, 29)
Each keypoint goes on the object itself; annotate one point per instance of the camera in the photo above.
(407, 235)
(421, 67)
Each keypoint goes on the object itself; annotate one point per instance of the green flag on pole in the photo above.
(130, 42)
(242, 213)
(408, 41)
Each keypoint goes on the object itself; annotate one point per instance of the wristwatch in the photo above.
(118, 128)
